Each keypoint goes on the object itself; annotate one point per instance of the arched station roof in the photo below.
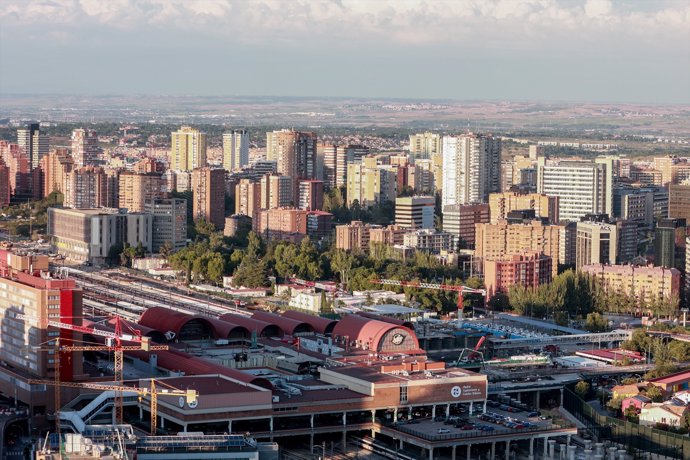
(386, 319)
(289, 326)
(262, 328)
(321, 325)
(371, 332)
(185, 326)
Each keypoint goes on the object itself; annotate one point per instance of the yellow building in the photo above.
(645, 283)
(187, 149)
(136, 189)
(370, 184)
(496, 241)
(501, 204)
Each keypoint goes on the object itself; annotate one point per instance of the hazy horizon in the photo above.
(580, 51)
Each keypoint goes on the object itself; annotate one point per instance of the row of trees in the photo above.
(335, 203)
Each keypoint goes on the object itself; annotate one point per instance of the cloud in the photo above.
(393, 21)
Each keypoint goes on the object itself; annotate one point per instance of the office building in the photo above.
(247, 197)
(276, 191)
(500, 204)
(430, 240)
(353, 236)
(638, 203)
(90, 235)
(85, 150)
(235, 150)
(424, 145)
(54, 166)
(27, 287)
(370, 184)
(581, 187)
(33, 144)
(669, 243)
(136, 189)
(529, 269)
(460, 220)
(208, 191)
(647, 284)
(415, 212)
(169, 222)
(496, 241)
(310, 195)
(471, 168)
(187, 149)
(604, 242)
(85, 188)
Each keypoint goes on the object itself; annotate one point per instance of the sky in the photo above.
(544, 50)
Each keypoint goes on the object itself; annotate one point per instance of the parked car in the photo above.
(443, 431)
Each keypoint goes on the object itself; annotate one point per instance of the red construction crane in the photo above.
(113, 342)
(461, 290)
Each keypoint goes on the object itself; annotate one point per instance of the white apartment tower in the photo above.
(235, 150)
(32, 144)
(471, 168)
(85, 147)
(582, 187)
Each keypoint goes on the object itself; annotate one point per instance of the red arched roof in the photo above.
(156, 336)
(262, 328)
(165, 319)
(320, 325)
(290, 326)
(386, 319)
(226, 330)
(367, 331)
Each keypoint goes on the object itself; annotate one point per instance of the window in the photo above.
(403, 394)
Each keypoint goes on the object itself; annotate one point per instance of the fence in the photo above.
(634, 436)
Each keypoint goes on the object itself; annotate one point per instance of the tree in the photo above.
(655, 393)
(631, 414)
(342, 262)
(582, 389)
(251, 273)
(166, 249)
(615, 404)
(596, 323)
(679, 351)
(215, 268)
(204, 228)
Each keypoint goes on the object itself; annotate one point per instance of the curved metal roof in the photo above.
(367, 331)
(262, 328)
(320, 325)
(165, 319)
(289, 326)
(386, 319)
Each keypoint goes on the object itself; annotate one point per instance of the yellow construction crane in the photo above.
(154, 391)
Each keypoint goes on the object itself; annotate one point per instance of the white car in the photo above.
(443, 431)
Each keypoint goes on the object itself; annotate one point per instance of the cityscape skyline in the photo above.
(594, 50)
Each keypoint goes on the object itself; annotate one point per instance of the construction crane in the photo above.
(113, 343)
(472, 354)
(461, 290)
(155, 390)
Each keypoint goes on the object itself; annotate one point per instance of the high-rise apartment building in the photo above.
(276, 191)
(471, 168)
(27, 288)
(669, 243)
(604, 242)
(33, 144)
(5, 191)
(496, 241)
(54, 166)
(188, 149)
(544, 206)
(310, 195)
(169, 222)
(235, 149)
(581, 187)
(85, 188)
(208, 191)
(247, 197)
(425, 145)
(536, 151)
(529, 269)
(334, 164)
(85, 150)
(295, 153)
(460, 220)
(415, 212)
(371, 185)
(136, 189)
(281, 223)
